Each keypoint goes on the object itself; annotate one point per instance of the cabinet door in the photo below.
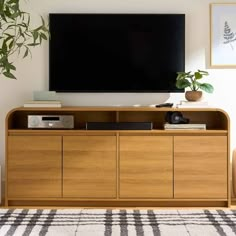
(146, 167)
(34, 166)
(200, 167)
(89, 166)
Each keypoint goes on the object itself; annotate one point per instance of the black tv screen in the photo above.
(116, 52)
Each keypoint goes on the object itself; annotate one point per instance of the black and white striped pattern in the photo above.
(90, 222)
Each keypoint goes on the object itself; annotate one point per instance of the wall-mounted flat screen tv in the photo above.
(116, 52)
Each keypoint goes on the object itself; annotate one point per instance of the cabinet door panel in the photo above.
(146, 167)
(200, 167)
(34, 166)
(89, 166)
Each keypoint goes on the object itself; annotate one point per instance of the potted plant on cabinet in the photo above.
(192, 80)
(16, 35)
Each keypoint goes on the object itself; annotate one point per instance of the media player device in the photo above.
(51, 121)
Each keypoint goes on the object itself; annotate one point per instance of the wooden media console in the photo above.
(118, 168)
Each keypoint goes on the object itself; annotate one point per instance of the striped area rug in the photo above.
(89, 222)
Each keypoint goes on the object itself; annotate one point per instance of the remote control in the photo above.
(165, 105)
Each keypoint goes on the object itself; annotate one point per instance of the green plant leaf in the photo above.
(203, 72)
(9, 37)
(198, 75)
(9, 66)
(45, 29)
(3, 59)
(28, 20)
(39, 28)
(17, 35)
(26, 52)
(206, 87)
(11, 44)
(43, 22)
(182, 83)
(189, 79)
(12, 67)
(184, 75)
(1, 5)
(4, 47)
(35, 35)
(33, 44)
(13, 1)
(43, 36)
(9, 75)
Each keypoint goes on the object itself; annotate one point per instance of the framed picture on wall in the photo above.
(223, 35)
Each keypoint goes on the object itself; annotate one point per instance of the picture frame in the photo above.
(223, 35)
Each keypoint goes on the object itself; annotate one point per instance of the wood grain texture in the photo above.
(90, 167)
(34, 166)
(64, 203)
(100, 168)
(146, 167)
(200, 167)
(214, 118)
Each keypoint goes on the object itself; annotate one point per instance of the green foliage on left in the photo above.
(17, 36)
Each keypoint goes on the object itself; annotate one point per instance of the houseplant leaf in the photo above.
(191, 80)
(206, 87)
(182, 83)
(197, 75)
(16, 33)
(9, 75)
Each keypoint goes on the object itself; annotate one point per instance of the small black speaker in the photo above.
(175, 117)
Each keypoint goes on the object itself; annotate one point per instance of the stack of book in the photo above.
(168, 126)
(41, 103)
(188, 104)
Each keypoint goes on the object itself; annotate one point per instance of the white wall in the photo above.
(32, 73)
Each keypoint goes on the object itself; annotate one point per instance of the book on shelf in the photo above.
(192, 106)
(38, 103)
(201, 102)
(188, 104)
(184, 126)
